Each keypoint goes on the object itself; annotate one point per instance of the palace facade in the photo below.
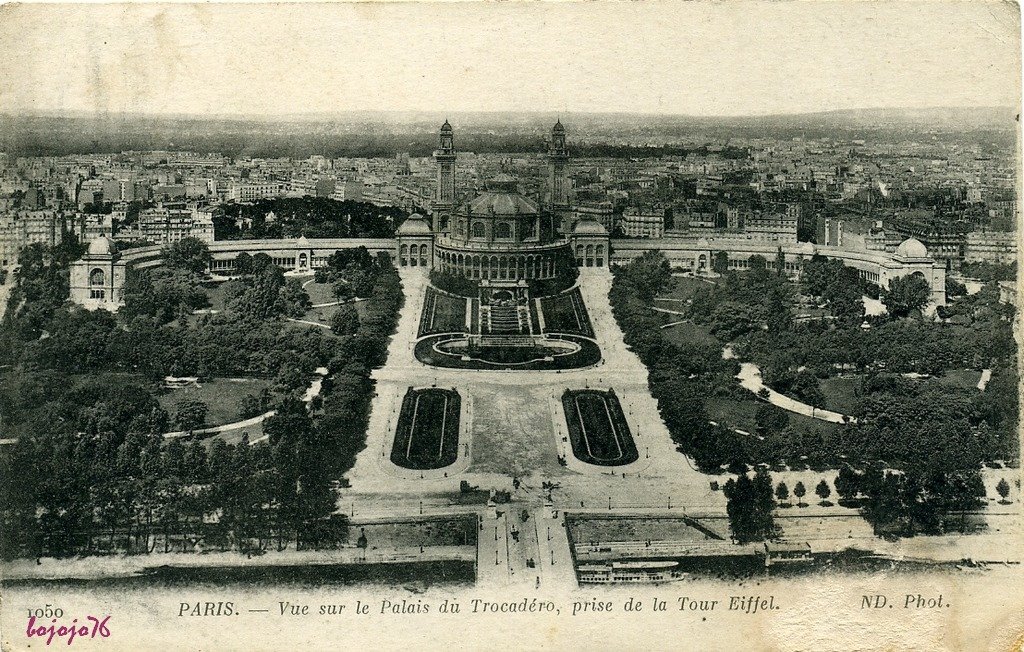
(497, 233)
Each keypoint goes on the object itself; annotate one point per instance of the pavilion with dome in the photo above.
(97, 278)
(498, 235)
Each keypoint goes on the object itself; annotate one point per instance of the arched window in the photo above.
(478, 229)
(97, 277)
(504, 230)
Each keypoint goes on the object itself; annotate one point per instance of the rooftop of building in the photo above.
(912, 248)
(415, 224)
(589, 227)
(102, 246)
(501, 202)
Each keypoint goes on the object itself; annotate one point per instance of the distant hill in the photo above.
(386, 133)
(948, 117)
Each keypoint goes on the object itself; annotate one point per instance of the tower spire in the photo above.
(558, 174)
(444, 195)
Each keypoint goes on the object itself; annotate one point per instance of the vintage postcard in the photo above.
(510, 325)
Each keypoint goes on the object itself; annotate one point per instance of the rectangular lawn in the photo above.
(597, 428)
(427, 436)
(221, 396)
(442, 313)
(566, 313)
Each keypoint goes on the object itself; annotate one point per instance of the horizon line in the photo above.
(324, 115)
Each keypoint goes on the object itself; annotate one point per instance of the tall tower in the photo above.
(444, 198)
(558, 175)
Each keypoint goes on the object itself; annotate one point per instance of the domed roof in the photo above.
(912, 248)
(807, 248)
(558, 128)
(501, 203)
(102, 246)
(415, 224)
(446, 126)
(589, 226)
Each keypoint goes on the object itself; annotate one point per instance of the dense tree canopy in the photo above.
(918, 426)
(189, 254)
(312, 217)
(906, 295)
(91, 470)
(750, 505)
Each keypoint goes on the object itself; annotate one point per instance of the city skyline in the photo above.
(539, 115)
(666, 59)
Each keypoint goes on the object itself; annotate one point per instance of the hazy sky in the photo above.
(674, 57)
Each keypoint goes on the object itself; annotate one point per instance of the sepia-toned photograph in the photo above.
(510, 325)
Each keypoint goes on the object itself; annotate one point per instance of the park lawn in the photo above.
(731, 413)
(221, 396)
(740, 415)
(323, 315)
(320, 292)
(420, 442)
(841, 394)
(320, 315)
(450, 313)
(689, 333)
(437, 531)
(597, 428)
(442, 313)
(966, 379)
(215, 294)
(112, 379)
(566, 313)
(681, 287)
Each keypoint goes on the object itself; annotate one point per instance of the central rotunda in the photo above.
(496, 234)
(500, 235)
(503, 270)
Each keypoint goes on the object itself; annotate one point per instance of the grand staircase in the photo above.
(506, 322)
(503, 320)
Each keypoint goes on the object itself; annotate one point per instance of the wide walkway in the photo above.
(660, 476)
(530, 553)
(750, 378)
